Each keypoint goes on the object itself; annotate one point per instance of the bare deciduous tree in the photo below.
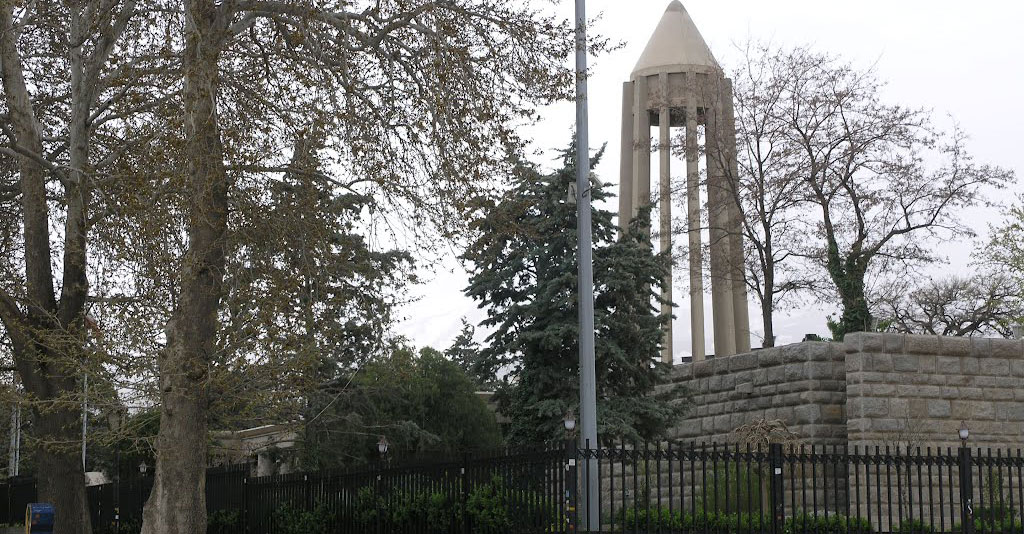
(886, 182)
(776, 221)
(984, 304)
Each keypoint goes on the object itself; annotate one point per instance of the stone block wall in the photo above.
(802, 384)
(873, 389)
(916, 390)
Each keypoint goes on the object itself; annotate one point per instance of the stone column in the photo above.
(696, 255)
(721, 283)
(626, 159)
(665, 215)
(641, 146)
(737, 262)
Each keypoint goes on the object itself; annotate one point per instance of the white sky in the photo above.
(965, 59)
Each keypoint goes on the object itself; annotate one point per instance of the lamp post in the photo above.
(115, 425)
(966, 481)
(588, 371)
(569, 422)
(382, 446)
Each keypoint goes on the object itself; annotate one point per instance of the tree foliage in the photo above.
(69, 84)
(469, 356)
(144, 163)
(420, 402)
(524, 273)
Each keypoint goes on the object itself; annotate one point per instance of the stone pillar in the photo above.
(665, 215)
(696, 255)
(641, 146)
(737, 264)
(718, 220)
(626, 159)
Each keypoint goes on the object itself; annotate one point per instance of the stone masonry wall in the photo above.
(916, 390)
(803, 384)
(874, 389)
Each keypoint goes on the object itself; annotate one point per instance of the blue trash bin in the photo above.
(39, 518)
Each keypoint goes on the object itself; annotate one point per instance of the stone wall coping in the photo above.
(886, 343)
(804, 351)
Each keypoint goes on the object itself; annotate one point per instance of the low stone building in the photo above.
(871, 389)
(271, 448)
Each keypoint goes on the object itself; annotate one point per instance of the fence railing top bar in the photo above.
(799, 453)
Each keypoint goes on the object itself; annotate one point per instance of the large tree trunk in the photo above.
(177, 504)
(768, 300)
(59, 475)
(848, 276)
(766, 321)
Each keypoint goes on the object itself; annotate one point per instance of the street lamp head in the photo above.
(382, 446)
(964, 433)
(143, 468)
(569, 421)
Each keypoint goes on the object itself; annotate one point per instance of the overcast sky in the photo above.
(965, 59)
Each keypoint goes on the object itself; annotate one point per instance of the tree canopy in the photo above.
(523, 273)
(420, 402)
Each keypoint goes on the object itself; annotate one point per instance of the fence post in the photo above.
(775, 460)
(570, 485)
(307, 497)
(245, 503)
(467, 527)
(966, 492)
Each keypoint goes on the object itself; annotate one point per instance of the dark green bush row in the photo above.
(488, 507)
(833, 524)
(999, 526)
(676, 521)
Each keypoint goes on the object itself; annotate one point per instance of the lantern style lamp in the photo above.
(569, 422)
(382, 446)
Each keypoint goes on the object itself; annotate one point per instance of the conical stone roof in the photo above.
(675, 43)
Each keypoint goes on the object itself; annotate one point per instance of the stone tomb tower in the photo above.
(678, 84)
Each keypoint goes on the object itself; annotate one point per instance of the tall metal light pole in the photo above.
(588, 375)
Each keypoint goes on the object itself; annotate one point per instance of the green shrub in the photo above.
(807, 523)
(1001, 526)
(660, 519)
(995, 513)
(291, 520)
(914, 526)
(657, 518)
(730, 491)
(489, 507)
(224, 522)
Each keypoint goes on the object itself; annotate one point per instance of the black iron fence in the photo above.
(666, 488)
(807, 489)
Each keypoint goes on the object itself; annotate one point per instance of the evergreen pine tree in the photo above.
(524, 272)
